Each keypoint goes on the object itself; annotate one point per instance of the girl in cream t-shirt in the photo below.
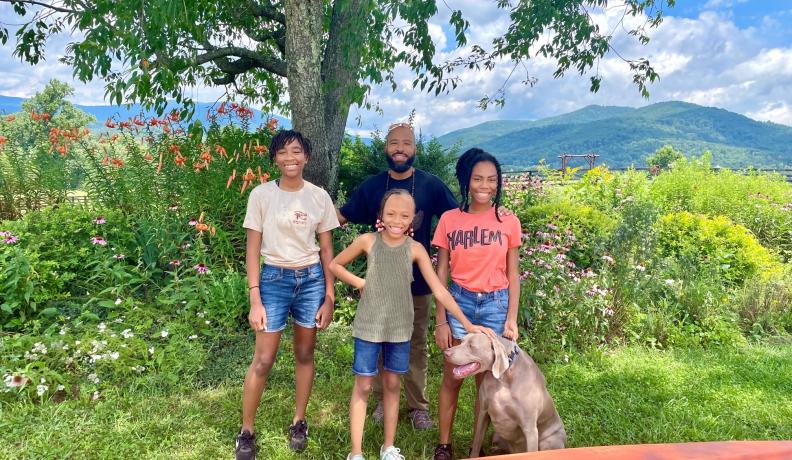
(289, 223)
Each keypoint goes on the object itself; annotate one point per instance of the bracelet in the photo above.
(441, 324)
(253, 287)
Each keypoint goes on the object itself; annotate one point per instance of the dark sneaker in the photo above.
(420, 419)
(443, 452)
(379, 413)
(298, 436)
(245, 446)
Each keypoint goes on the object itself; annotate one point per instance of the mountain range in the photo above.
(621, 136)
(624, 136)
(10, 104)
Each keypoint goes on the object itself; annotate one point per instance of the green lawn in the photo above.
(631, 395)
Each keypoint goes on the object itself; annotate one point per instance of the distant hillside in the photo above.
(624, 136)
(103, 112)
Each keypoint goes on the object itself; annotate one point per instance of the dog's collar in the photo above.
(513, 354)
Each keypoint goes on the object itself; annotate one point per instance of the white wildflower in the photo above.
(118, 301)
(61, 387)
(164, 333)
(41, 389)
(127, 334)
(114, 355)
(101, 327)
(192, 337)
(93, 378)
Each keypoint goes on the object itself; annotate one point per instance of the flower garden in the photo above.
(124, 316)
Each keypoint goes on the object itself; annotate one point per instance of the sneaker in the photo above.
(298, 436)
(379, 413)
(245, 446)
(391, 453)
(355, 457)
(443, 452)
(420, 419)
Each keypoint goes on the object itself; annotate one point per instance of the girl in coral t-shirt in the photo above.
(480, 246)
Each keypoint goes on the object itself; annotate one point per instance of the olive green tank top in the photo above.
(385, 312)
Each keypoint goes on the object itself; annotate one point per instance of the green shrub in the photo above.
(591, 228)
(664, 157)
(758, 201)
(729, 248)
(562, 307)
(763, 306)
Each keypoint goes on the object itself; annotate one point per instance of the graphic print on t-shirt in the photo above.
(300, 218)
(472, 238)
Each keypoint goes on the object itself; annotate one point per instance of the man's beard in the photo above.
(400, 168)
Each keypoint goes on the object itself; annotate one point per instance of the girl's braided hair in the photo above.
(464, 169)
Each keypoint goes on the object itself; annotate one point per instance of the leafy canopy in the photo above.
(152, 51)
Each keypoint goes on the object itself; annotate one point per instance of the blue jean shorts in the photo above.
(486, 309)
(395, 357)
(285, 291)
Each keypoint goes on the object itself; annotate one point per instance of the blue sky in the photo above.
(733, 54)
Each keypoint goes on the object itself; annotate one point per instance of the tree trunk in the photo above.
(304, 58)
(321, 83)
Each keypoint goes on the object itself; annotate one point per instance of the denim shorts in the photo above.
(395, 357)
(286, 291)
(486, 309)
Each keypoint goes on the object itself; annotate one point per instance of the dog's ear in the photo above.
(500, 361)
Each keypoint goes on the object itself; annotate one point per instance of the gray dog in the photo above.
(513, 395)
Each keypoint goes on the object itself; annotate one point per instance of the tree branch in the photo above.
(219, 56)
(268, 11)
(59, 9)
(278, 35)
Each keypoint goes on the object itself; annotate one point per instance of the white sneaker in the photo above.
(390, 453)
(355, 457)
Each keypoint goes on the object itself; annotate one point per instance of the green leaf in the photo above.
(49, 312)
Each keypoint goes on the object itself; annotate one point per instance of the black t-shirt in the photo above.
(432, 199)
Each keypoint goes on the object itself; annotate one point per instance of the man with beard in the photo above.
(432, 198)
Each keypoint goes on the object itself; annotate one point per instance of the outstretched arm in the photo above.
(442, 295)
(361, 244)
(442, 329)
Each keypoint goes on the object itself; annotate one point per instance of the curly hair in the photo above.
(284, 138)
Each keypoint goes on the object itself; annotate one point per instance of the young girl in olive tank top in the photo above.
(383, 321)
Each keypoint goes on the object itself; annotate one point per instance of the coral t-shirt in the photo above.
(478, 245)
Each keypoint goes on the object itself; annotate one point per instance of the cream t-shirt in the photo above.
(289, 222)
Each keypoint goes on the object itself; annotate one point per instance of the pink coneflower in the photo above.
(100, 220)
(5, 234)
(175, 262)
(99, 240)
(119, 257)
(11, 239)
(192, 223)
(202, 269)
(17, 381)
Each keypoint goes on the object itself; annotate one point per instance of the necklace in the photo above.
(412, 188)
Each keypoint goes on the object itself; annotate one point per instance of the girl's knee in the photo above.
(363, 386)
(261, 365)
(391, 382)
(304, 356)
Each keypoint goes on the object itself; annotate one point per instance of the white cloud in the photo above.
(707, 60)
